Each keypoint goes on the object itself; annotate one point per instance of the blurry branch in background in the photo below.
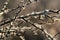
(46, 35)
(4, 9)
(28, 15)
(56, 34)
(32, 14)
(18, 7)
(45, 13)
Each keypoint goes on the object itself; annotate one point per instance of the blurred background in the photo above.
(34, 6)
